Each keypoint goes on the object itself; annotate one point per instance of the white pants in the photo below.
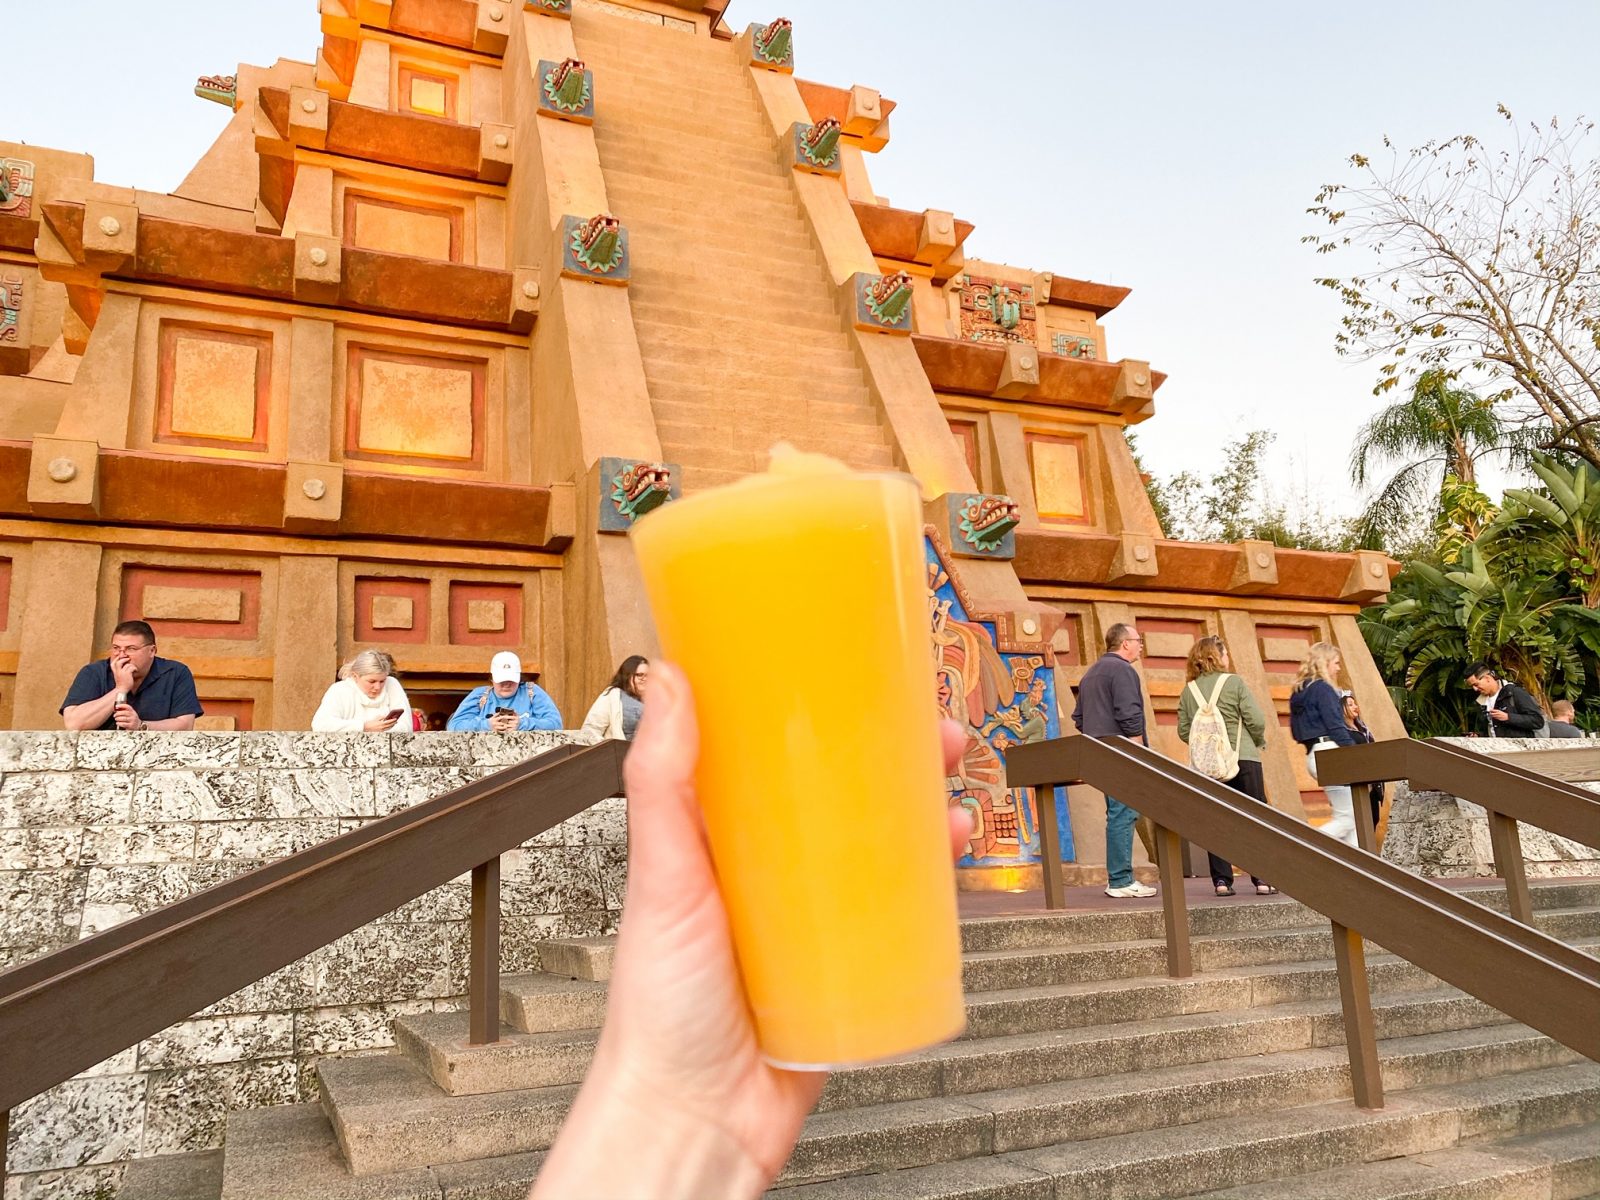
(1343, 825)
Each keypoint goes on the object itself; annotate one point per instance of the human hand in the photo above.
(499, 724)
(125, 717)
(1498, 714)
(679, 1101)
(380, 724)
(122, 673)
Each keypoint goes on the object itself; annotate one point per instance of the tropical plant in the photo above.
(1478, 258)
(1439, 432)
(1521, 595)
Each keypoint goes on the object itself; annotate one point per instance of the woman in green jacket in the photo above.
(1208, 662)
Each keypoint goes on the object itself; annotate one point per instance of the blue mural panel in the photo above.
(1000, 698)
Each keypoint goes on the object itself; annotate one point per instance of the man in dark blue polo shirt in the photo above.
(132, 688)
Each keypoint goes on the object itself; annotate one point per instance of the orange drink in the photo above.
(796, 603)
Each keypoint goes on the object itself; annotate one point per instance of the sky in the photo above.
(1171, 148)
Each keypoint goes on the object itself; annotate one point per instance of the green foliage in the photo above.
(1521, 594)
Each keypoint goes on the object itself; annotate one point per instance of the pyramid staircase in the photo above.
(736, 317)
(1084, 1073)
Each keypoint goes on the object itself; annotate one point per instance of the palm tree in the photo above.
(1438, 432)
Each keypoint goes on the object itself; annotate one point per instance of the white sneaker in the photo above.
(1134, 889)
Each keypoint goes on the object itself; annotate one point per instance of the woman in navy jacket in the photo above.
(1316, 714)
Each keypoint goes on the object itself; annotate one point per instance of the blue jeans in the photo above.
(1120, 820)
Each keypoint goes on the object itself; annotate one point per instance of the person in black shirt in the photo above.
(1509, 710)
(131, 688)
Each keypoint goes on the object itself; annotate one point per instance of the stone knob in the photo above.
(1263, 559)
(308, 105)
(1141, 554)
(1374, 568)
(1030, 626)
(314, 489)
(63, 470)
(501, 141)
(497, 14)
(318, 256)
(1141, 379)
(1026, 362)
(110, 226)
(530, 289)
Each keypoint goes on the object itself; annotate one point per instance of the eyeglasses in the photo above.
(127, 649)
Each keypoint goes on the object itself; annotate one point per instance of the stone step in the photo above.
(196, 1176)
(642, 199)
(772, 359)
(390, 1117)
(539, 1002)
(1064, 1049)
(290, 1153)
(778, 377)
(755, 458)
(714, 151)
(744, 141)
(652, 316)
(697, 479)
(1565, 1162)
(841, 403)
(815, 437)
(586, 958)
(749, 287)
(702, 262)
(711, 316)
(779, 233)
(739, 125)
(1231, 1151)
(686, 183)
(630, 94)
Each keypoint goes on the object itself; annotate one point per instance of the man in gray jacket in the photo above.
(1111, 703)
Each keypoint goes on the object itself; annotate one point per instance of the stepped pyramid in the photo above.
(443, 311)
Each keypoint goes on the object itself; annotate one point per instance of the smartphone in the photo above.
(505, 712)
(394, 714)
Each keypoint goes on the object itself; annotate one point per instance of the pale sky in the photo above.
(1170, 148)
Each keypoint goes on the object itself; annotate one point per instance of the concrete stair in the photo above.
(1084, 1072)
(738, 322)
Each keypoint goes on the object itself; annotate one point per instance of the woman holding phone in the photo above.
(366, 698)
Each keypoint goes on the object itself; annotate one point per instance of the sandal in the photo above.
(1266, 889)
(1224, 890)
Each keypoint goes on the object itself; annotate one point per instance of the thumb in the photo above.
(667, 855)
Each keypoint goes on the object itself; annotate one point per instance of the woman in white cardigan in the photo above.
(367, 698)
(615, 713)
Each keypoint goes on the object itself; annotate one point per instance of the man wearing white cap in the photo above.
(505, 704)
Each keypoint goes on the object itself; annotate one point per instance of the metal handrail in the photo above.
(1505, 963)
(1514, 787)
(65, 1011)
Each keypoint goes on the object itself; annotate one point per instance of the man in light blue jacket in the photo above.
(506, 703)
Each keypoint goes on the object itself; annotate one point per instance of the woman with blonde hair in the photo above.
(1209, 684)
(367, 698)
(1316, 721)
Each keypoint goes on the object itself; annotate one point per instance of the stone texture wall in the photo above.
(1436, 834)
(96, 828)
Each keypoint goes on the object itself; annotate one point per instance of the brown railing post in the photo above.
(1508, 864)
(1360, 1032)
(1174, 904)
(1044, 807)
(483, 981)
(5, 1133)
(1366, 831)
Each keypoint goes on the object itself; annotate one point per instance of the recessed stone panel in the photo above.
(431, 93)
(1167, 641)
(414, 407)
(213, 386)
(383, 604)
(486, 614)
(1284, 647)
(1058, 479)
(395, 227)
(185, 603)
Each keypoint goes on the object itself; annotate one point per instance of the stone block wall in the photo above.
(96, 828)
(1439, 835)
